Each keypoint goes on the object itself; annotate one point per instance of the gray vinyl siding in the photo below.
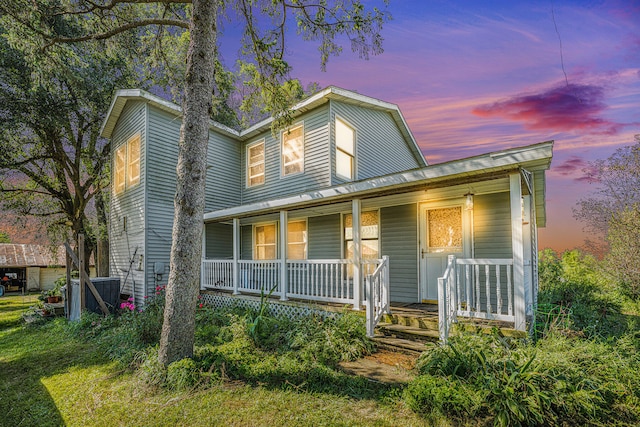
(222, 189)
(219, 241)
(316, 167)
(325, 237)
(126, 214)
(380, 146)
(399, 240)
(492, 226)
(246, 242)
(492, 237)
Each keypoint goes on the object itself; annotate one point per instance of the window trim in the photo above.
(135, 180)
(124, 170)
(249, 165)
(254, 245)
(352, 156)
(120, 169)
(302, 157)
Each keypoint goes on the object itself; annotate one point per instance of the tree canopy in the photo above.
(613, 213)
(265, 27)
(54, 164)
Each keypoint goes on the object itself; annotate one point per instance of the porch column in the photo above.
(357, 253)
(527, 254)
(518, 252)
(204, 255)
(284, 223)
(236, 255)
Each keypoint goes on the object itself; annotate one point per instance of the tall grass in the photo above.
(582, 368)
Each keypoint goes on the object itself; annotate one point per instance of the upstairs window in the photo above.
(126, 166)
(293, 150)
(345, 150)
(119, 168)
(265, 242)
(255, 163)
(133, 161)
(297, 240)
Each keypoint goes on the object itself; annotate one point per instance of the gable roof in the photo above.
(330, 93)
(535, 158)
(19, 255)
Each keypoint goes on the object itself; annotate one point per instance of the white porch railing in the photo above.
(322, 280)
(475, 288)
(377, 294)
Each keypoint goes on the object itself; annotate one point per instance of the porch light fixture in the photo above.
(468, 204)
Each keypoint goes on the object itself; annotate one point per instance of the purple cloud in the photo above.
(576, 165)
(564, 108)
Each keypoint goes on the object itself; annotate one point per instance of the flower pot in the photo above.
(52, 300)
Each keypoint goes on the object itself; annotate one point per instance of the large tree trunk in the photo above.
(178, 328)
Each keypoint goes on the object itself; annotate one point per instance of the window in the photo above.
(444, 230)
(297, 240)
(255, 163)
(265, 241)
(293, 150)
(369, 236)
(119, 168)
(345, 150)
(127, 164)
(133, 161)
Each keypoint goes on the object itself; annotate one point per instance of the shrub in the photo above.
(557, 381)
(573, 296)
(329, 341)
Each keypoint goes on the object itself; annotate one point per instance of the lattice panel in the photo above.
(276, 308)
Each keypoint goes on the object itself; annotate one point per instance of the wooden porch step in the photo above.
(399, 345)
(408, 332)
(421, 322)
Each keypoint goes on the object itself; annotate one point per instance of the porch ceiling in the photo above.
(534, 158)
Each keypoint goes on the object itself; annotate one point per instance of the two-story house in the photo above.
(340, 207)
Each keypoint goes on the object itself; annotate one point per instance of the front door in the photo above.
(444, 230)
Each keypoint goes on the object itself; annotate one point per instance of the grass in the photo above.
(49, 377)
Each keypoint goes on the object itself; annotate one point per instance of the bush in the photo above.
(574, 296)
(558, 381)
(329, 341)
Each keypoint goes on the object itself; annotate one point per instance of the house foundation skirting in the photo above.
(277, 308)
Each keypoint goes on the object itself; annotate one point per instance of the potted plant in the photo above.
(55, 295)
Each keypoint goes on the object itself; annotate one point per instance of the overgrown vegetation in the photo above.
(252, 346)
(581, 369)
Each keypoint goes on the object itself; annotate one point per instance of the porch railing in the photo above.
(475, 288)
(322, 280)
(377, 294)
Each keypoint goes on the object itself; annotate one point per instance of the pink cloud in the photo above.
(564, 108)
(576, 166)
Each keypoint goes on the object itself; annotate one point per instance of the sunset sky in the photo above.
(478, 76)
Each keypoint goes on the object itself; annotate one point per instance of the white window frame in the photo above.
(282, 151)
(126, 167)
(133, 164)
(249, 165)
(255, 243)
(305, 242)
(120, 169)
(342, 151)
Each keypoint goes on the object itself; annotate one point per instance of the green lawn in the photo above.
(48, 378)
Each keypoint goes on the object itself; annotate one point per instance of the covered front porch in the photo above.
(460, 235)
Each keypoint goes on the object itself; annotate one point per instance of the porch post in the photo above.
(204, 255)
(284, 224)
(236, 255)
(357, 253)
(518, 252)
(527, 255)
